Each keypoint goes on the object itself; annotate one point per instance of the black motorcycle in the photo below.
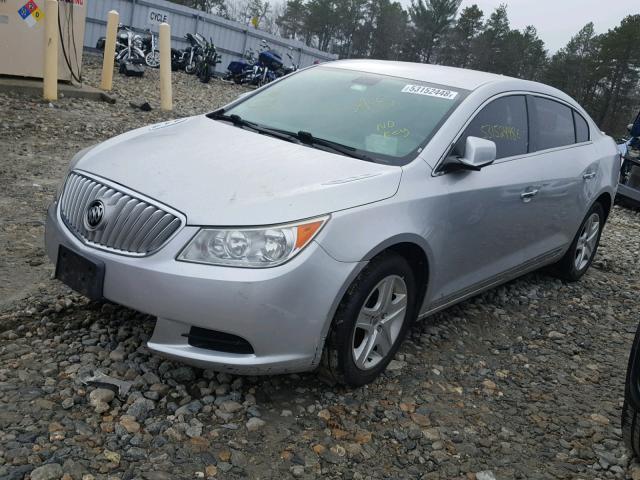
(192, 53)
(207, 61)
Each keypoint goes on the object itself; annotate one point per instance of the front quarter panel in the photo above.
(416, 214)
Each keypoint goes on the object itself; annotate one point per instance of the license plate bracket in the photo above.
(81, 274)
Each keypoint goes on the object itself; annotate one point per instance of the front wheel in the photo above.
(152, 59)
(582, 251)
(371, 322)
(190, 68)
(205, 73)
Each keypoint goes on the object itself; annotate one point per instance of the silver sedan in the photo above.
(311, 222)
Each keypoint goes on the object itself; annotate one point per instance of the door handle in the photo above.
(528, 194)
(589, 175)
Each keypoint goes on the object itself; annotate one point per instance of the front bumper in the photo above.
(283, 312)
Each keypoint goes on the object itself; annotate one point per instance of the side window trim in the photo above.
(530, 125)
(574, 113)
(577, 114)
(528, 105)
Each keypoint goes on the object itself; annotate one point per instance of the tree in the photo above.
(292, 20)
(320, 23)
(491, 44)
(349, 17)
(431, 19)
(620, 65)
(573, 68)
(457, 45)
(217, 7)
(387, 39)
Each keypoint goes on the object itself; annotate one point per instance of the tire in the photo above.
(205, 73)
(631, 409)
(354, 356)
(570, 268)
(152, 59)
(190, 68)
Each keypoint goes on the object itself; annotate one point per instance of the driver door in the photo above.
(494, 217)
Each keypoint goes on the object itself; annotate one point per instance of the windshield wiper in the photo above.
(308, 139)
(300, 137)
(238, 121)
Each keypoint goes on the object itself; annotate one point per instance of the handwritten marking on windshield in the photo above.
(390, 129)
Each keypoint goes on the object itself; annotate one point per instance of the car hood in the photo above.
(218, 174)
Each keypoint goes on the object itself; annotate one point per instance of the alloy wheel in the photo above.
(379, 322)
(587, 241)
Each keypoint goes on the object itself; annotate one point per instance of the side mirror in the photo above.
(478, 153)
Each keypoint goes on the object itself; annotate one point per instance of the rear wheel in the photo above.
(583, 249)
(371, 322)
(631, 407)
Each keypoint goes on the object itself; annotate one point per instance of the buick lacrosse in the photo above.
(309, 223)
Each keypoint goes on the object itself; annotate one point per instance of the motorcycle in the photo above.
(207, 61)
(150, 44)
(238, 70)
(129, 45)
(193, 51)
(264, 70)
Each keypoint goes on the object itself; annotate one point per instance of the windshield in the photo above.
(389, 119)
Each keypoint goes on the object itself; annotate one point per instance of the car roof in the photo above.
(450, 76)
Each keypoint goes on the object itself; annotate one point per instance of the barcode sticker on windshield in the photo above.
(430, 91)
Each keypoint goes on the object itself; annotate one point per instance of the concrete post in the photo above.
(51, 38)
(166, 98)
(109, 51)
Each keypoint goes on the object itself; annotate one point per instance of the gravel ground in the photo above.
(525, 381)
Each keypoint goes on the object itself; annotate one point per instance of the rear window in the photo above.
(553, 124)
(582, 128)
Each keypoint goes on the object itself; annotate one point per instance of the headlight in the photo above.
(251, 247)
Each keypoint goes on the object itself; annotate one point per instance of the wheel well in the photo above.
(605, 201)
(417, 259)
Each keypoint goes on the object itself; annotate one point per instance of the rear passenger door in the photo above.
(561, 149)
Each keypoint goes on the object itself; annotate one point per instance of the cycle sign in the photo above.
(155, 17)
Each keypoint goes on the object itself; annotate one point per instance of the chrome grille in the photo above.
(131, 226)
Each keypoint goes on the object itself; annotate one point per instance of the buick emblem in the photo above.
(94, 215)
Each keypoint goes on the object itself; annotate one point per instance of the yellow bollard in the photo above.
(166, 97)
(50, 91)
(109, 51)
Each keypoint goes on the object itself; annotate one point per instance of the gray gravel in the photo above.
(525, 381)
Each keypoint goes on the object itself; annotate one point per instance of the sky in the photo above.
(558, 20)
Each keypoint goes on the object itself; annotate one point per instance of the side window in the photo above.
(552, 124)
(503, 121)
(582, 128)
